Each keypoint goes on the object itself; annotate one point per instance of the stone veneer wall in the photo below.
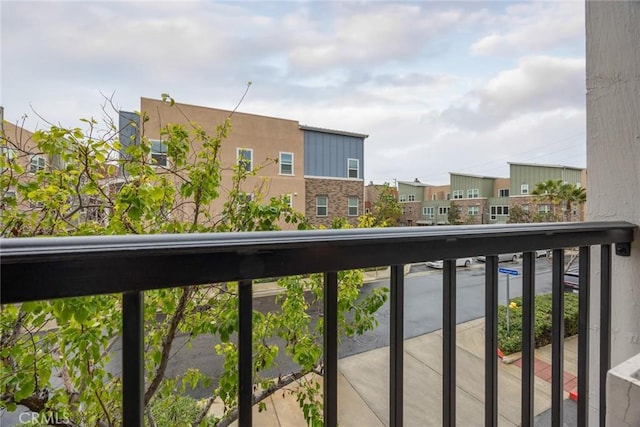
(412, 213)
(338, 191)
(472, 219)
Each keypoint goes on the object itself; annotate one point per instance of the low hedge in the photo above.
(512, 342)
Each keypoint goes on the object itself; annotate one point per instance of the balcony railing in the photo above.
(48, 268)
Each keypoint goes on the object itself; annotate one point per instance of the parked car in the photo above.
(514, 256)
(542, 253)
(572, 280)
(460, 262)
(502, 257)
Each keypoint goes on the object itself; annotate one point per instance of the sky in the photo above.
(439, 86)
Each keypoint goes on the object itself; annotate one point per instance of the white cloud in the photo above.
(379, 33)
(401, 72)
(534, 27)
(538, 84)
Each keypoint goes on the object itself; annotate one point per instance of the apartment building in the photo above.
(485, 199)
(320, 171)
(435, 205)
(411, 195)
(333, 175)
(17, 145)
(525, 176)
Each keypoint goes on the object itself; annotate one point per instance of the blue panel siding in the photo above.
(326, 154)
(129, 125)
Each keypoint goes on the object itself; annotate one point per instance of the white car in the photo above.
(513, 257)
(460, 262)
(502, 257)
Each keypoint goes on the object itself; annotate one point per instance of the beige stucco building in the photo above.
(319, 171)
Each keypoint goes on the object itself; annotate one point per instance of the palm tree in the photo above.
(570, 194)
(557, 192)
(549, 191)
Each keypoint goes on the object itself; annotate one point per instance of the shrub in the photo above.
(512, 342)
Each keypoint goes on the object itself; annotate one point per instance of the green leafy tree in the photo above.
(455, 214)
(385, 210)
(82, 193)
(517, 215)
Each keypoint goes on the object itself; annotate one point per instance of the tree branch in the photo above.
(263, 394)
(167, 343)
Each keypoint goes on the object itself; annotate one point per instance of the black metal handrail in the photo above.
(59, 267)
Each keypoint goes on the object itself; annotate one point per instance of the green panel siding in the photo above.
(525, 174)
(465, 182)
(405, 190)
(435, 204)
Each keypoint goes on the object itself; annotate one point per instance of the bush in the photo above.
(512, 342)
(175, 411)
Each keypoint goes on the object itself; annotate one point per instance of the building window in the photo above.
(158, 152)
(497, 211)
(524, 189)
(286, 163)
(36, 205)
(411, 197)
(544, 209)
(473, 193)
(403, 198)
(245, 158)
(322, 205)
(8, 197)
(458, 194)
(353, 168)
(352, 206)
(443, 210)
(37, 163)
(473, 210)
(288, 199)
(434, 197)
(244, 199)
(8, 155)
(503, 192)
(448, 196)
(428, 211)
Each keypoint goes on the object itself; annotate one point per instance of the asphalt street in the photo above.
(423, 314)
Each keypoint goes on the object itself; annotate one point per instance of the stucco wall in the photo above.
(266, 136)
(613, 160)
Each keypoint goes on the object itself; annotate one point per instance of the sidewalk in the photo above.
(363, 382)
(363, 396)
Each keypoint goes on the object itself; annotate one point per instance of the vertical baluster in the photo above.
(449, 343)
(605, 327)
(331, 349)
(245, 350)
(557, 338)
(491, 342)
(583, 336)
(396, 361)
(133, 359)
(528, 337)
